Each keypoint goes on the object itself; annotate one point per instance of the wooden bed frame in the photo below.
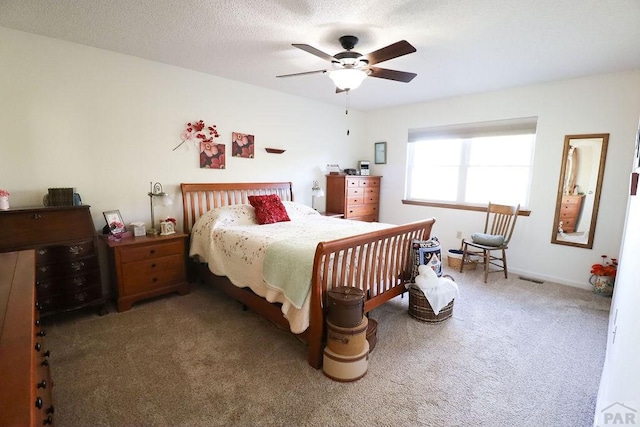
(344, 262)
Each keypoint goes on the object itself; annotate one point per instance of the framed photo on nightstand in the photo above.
(114, 221)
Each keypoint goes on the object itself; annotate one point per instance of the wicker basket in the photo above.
(419, 307)
(455, 261)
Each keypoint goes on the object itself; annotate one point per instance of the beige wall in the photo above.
(106, 123)
(600, 104)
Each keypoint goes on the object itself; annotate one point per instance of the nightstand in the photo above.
(147, 266)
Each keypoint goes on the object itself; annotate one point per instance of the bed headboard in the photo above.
(200, 198)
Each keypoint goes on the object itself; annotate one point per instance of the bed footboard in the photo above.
(379, 263)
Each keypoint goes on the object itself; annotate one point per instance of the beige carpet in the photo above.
(515, 353)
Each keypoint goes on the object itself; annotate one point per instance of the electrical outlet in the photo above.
(458, 234)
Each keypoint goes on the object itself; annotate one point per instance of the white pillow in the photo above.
(298, 209)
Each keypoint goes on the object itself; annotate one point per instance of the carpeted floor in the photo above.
(515, 353)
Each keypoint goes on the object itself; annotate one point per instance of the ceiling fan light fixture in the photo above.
(347, 78)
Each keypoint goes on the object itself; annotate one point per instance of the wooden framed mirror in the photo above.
(579, 187)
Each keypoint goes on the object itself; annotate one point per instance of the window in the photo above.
(472, 164)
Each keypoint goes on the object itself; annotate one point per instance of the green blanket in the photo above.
(288, 264)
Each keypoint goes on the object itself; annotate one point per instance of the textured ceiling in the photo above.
(463, 46)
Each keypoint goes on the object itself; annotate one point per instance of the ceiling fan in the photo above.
(351, 68)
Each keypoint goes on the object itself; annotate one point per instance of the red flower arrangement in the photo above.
(605, 268)
(198, 132)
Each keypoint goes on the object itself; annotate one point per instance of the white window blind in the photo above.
(472, 163)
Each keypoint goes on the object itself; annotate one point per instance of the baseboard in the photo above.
(549, 278)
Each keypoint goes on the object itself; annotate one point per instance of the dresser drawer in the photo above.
(355, 200)
(21, 228)
(361, 210)
(84, 296)
(70, 268)
(156, 250)
(61, 253)
(146, 275)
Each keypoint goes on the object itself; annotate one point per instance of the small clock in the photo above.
(166, 228)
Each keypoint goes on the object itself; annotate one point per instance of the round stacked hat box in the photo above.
(346, 355)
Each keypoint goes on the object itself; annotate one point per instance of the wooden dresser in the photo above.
(147, 266)
(357, 197)
(570, 211)
(25, 381)
(68, 272)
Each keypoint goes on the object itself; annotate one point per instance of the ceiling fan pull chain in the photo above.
(347, 110)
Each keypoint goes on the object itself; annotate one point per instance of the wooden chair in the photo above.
(498, 229)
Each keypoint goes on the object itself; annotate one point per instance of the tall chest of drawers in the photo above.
(25, 390)
(570, 212)
(357, 197)
(64, 239)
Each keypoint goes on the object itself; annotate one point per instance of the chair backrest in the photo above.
(501, 219)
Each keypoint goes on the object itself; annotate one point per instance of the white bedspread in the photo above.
(234, 245)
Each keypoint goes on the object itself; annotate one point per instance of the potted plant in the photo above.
(603, 276)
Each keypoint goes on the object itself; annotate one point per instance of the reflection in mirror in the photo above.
(579, 188)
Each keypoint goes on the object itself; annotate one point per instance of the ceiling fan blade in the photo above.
(394, 50)
(399, 76)
(302, 74)
(312, 50)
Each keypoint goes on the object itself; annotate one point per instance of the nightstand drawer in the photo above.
(156, 250)
(152, 274)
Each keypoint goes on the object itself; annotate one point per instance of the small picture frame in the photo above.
(380, 153)
(114, 221)
(166, 228)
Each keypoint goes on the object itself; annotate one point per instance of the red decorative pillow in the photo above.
(269, 209)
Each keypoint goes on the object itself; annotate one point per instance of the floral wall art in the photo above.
(212, 154)
(242, 145)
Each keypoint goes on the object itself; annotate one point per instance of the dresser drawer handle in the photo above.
(154, 280)
(46, 354)
(42, 334)
(48, 421)
(45, 362)
(42, 384)
(79, 280)
(38, 346)
(39, 402)
(75, 249)
(152, 251)
(37, 216)
(42, 251)
(77, 266)
(153, 265)
(51, 410)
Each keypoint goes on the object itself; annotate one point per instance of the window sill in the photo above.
(477, 208)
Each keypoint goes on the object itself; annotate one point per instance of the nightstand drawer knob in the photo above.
(39, 402)
(42, 384)
(46, 354)
(45, 362)
(152, 251)
(51, 410)
(38, 346)
(154, 280)
(153, 265)
(48, 420)
(42, 334)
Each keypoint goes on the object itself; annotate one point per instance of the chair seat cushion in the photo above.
(487, 239)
